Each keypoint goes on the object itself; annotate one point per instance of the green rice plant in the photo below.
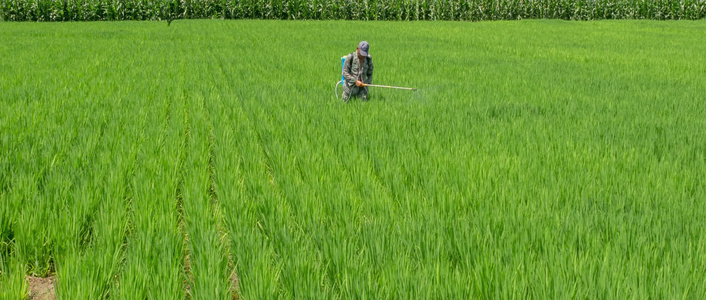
(154, 261)
(93, 270)
(12, 279)
(208, 270)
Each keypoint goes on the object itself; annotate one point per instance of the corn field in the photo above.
(462, 10)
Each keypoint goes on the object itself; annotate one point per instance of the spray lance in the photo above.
(343, 62)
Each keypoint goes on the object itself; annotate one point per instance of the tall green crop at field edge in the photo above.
(468, 10)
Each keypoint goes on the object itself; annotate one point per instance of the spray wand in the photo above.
(390, 87)
(376, 85)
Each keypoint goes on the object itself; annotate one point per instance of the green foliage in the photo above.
(538, 159)
(12, 279)
(466, 10)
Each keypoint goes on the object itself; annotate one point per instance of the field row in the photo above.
(115, 197)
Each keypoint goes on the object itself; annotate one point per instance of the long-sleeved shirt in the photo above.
(353, 69)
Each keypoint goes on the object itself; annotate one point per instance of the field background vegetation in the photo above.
(538, 160)
(464, 10)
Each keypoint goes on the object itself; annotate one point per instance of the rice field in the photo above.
(210, 159)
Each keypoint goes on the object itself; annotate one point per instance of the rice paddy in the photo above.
(210, 159)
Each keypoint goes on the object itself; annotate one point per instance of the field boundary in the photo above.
(383, 10)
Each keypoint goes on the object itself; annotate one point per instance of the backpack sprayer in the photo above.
(343, 63)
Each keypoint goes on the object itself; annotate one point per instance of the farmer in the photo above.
(358, 71)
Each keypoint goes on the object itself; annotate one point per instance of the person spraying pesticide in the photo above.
(357, 74)
(357, 71)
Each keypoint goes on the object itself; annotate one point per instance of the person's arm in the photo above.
(370, 71)
(347, 69)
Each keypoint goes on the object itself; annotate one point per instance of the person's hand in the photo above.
(358, 83)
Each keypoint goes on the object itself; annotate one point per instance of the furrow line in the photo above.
(250, 120)
(219, 216)
(181, 221)
(86, 228)
(239, 209)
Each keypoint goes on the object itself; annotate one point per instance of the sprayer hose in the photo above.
(335, 91)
